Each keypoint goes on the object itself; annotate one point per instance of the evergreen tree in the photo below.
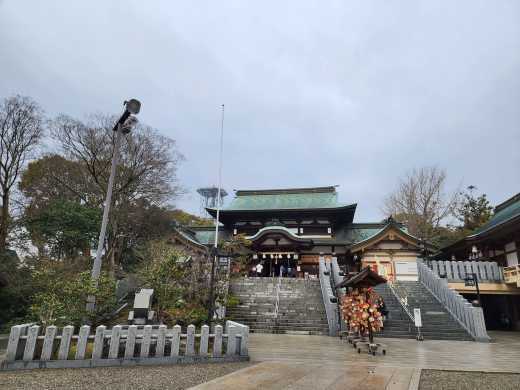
(473, 211)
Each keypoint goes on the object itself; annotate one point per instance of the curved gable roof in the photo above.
(381, 234)
(280, 230)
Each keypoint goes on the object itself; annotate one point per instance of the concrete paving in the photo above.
(321, 362)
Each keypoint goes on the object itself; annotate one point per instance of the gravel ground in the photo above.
(136, 378)
(468, 380)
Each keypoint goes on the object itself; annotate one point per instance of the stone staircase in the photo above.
(300, 310)
(397, 324)
(438, 324)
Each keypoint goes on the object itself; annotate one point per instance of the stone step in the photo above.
(300, 306)
(437, 323)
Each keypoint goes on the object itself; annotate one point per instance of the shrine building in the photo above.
(295, 227)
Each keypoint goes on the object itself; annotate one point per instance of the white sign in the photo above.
(406, 268)
(417, 316)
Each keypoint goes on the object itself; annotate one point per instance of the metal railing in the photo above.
(402, 297)
(277, 301)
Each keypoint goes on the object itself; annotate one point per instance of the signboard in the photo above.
(406, 267)
(469, 282)
(406, 270)
(417, 317)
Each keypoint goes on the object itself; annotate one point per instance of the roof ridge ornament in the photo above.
(274, 222)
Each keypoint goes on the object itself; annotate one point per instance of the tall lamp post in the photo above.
(123, 126)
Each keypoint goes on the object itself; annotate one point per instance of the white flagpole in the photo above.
(211, 309)
(219, 175)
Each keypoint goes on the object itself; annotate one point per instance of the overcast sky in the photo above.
(316, 93)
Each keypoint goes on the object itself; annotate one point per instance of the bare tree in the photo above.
(21, 129)
(421, 201)
(146, 170)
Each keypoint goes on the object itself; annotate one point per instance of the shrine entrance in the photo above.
(277, 249)
(274, 263)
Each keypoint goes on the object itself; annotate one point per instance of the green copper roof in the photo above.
(286, 199)
(201, 235)
(503, 213)
(206, 235)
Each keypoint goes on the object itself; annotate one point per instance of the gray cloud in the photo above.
(353, 94)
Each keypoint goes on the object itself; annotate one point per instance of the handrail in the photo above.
(277, 302)
(402, 298)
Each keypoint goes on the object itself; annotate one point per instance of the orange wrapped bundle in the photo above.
(360, 310)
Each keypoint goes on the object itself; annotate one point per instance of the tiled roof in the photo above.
(360, 232)
(202, 235)
(503, 213)
(206, 235)
(286, 199)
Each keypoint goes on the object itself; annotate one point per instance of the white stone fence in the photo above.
(486, 271)
(30, 346)
(469, 316)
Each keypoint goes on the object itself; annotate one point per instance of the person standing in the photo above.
(259, 269)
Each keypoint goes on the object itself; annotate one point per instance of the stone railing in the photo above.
(329, 300)
(336, 278)
(337, 275)
(30, 347)
(470, 317)
(486, 271)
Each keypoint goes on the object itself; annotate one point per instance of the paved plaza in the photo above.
(321, 362)
(306, 362)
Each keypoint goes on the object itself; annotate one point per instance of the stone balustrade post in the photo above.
(146, 342)
(244, 342)
(232, 332)
(14, 342)
(176, 341)
(30, 344)
(161, 341)
(113, 351)
(48, 342)
(190, 340)
(217, 341)
(99, 342)
(81, 345)
(204, 339)
(130, 342)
